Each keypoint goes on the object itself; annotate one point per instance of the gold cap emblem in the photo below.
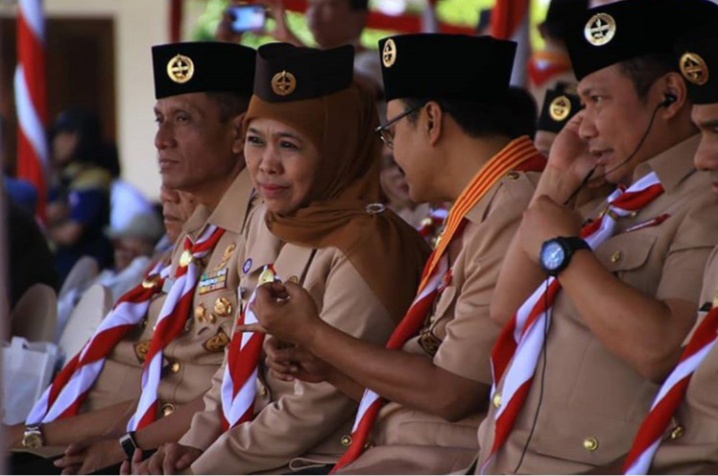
(600, 29)
(388, 54)
(284, 83)
(560, 108)
(694, 68)
(180, 69)
(185, 258)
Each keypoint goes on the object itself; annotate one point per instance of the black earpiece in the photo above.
(669, 99)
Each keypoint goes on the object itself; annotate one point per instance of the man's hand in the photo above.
(170, 458)
(544, 220)
(287, 363)
(286, 311)
(90, 455)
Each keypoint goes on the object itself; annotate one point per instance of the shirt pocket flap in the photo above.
(625, 252)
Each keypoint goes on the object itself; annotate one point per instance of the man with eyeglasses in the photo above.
(428, 391)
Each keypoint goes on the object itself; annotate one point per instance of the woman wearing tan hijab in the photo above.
(314, 158)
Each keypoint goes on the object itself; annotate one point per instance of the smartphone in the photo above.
(247, 17)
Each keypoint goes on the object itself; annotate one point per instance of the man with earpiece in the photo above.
(596, 303)
(679, 435)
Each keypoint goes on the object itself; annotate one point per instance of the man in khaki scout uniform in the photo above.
(623, 309)
(689, 443)
(460, 145)
(202, 92)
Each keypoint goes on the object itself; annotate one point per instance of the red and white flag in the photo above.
(510, 21)
(31, 99)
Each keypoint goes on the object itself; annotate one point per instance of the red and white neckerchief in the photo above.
(239, 383)
(522, 338)
(670, 396)
(171, 321)
(66, 394)
(519, 154)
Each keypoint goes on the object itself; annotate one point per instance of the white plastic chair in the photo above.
(87, 315)
(34, 317)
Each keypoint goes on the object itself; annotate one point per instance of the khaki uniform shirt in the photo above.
(458, 337)
(691, 441)
(193, 357)
(296, 424)
(593, 402)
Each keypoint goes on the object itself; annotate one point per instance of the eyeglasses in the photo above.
(386, 131)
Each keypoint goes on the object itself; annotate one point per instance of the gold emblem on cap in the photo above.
(694, 68)
(284, 83)
(180, 69)
(600, 29)
(560, 108)
(388, 54)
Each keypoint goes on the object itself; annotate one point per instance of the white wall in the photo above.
(139, 24)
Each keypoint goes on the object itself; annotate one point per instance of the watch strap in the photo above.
(129, 444)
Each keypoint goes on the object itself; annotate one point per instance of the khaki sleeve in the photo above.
(470, 334)
(695, 238)
(303, 417)
(206, 425)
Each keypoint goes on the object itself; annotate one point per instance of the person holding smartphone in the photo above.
(333, 23)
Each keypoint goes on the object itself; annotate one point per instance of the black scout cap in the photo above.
(603, 36)
(205, 66)
(559, 106)
(290, 73)
(698, 63)
(446, 66)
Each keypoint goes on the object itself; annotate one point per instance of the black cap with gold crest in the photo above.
(289, 73)
(559, 106)
(698, 62)
(441, 66)
(203, 66)
(609, 34)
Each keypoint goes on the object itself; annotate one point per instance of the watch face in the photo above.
(552, 255)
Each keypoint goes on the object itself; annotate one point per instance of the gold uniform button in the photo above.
(496, 400)
(616, 257)
(199, 312)
(512, 175)
(590, 444)
(168, 409)
(346, 441)
(293, 279)
(263, 392)
(175, 367)
(677, 432)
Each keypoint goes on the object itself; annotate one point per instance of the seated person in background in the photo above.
(452, 128)
(314, 158)
(78, 208)
(133, 246)
(29, 258)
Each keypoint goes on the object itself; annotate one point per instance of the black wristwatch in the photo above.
(556, 253)
(129, 444)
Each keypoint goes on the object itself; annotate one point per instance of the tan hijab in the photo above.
(384, 249)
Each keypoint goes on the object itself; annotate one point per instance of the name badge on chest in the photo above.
(213, 281)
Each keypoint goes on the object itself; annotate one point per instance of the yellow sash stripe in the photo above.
(516, 152)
